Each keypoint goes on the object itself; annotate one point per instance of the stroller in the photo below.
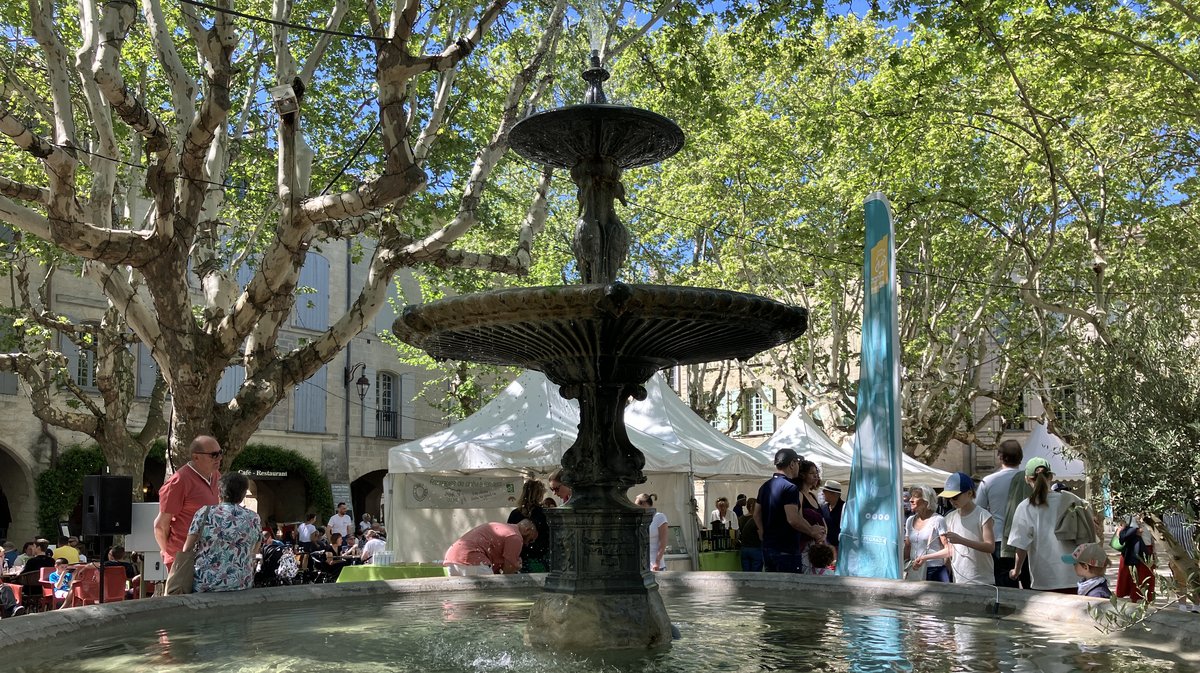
(279, 567)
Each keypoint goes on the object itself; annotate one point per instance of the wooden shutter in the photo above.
(310, 403)
(370, 403)
(406, 390)
(147, 371)
(312, 309)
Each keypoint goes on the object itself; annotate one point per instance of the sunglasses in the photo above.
(213, 454)
(556, 489)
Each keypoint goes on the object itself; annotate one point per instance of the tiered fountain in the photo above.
(600, 341)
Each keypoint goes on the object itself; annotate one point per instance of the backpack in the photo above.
(288, 568)
(1076, 524)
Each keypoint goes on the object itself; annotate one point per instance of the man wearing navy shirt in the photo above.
(777, 515)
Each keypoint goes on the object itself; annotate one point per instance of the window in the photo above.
(1066, 403)
(81, 361)
(758, 418)
(1012, 417)
(386, 421)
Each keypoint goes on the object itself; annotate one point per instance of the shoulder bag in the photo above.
(183, 571)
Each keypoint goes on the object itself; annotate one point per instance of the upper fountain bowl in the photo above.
(627, 136)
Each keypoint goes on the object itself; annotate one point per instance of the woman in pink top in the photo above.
(490, 548)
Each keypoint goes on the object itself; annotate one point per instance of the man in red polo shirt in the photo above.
(191, 487)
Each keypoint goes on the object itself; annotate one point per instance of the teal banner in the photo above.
(871, 526)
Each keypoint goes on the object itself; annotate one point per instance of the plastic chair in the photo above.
(48, 600)
(114, 580)
(85, 587)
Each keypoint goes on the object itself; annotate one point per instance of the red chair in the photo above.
(114, 584)
(85, 587)
(49, 602)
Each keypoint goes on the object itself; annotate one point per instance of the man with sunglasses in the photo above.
(192, 486)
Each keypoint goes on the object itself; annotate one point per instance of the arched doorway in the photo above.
(367, 494)
(18, 505)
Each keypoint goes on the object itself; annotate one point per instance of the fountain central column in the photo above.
(600, 592)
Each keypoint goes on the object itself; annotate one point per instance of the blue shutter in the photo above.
(310, 404)
(147, 371)
(768, 424)
(8, 383)
(69, 349)
(406, 390)
(312, 309)
(387, 312)
(231, 380)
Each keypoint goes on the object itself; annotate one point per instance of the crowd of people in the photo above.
(226, 547)
(1014, 528)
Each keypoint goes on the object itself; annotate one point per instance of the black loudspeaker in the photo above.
(107, 505)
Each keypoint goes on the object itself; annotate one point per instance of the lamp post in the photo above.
(362, 384)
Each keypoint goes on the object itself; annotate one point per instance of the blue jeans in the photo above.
(752, 559)
(937, 573)
(781, 562)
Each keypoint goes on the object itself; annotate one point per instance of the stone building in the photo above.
(324, 419)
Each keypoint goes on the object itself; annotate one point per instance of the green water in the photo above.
(477, 633)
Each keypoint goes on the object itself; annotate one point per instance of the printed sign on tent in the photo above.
(426, 491)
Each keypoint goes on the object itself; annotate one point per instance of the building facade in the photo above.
(325, 419)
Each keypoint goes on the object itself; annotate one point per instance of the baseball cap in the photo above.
(1089, 554)
(785, 457)
(1034, 463)
(958, 482)
(832, 485)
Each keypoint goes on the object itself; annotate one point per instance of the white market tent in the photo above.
(524, 432)
(801, 433)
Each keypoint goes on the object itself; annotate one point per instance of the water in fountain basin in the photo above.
(481, 633)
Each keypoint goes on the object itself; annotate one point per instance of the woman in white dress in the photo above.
(924, 537)
(658, 531)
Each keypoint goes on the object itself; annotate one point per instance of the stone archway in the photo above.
(18, 502)
(366, 492)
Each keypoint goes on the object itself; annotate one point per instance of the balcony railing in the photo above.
(387, 424)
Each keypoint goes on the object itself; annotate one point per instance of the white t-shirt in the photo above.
(373, 546)
(340, 523)
(1033, 530)
(657, 522)
(730, 520)
(306, 532)
(926, 540)
(970, 566)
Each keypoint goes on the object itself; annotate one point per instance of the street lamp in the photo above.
(363, 383)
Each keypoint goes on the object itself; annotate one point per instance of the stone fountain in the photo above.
(600, 341)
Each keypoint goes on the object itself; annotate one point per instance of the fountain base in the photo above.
(585, 622)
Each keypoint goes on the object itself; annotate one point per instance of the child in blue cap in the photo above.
(969, 532)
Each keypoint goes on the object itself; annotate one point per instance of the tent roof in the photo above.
(801, 433)
(529, 426)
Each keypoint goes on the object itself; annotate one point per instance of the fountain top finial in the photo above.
(595, 76)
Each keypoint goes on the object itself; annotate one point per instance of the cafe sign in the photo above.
(437, 492)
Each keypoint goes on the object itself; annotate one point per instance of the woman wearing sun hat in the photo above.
(1032, 532)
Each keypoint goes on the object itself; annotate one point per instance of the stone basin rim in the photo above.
(1174, 634)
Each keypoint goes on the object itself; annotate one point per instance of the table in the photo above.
(369, 573)
(721, 560)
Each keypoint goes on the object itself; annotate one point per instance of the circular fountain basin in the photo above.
(728, 621)
(582, 332)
